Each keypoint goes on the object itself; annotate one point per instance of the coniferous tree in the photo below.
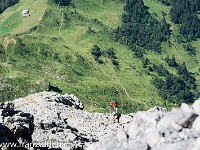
(190, 49)
(96, 52)
(167, 59)
(172, 62)
(62, 2)
(141, 29)
(4, 4)
(184, 12)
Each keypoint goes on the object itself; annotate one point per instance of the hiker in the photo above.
(114, 104)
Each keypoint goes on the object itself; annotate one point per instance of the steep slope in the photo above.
(60, 44)
(51, 120)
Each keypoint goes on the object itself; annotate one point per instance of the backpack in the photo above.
(114, 103)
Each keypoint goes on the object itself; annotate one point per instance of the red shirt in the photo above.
(114, 104)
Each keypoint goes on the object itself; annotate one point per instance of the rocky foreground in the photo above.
(48, 120)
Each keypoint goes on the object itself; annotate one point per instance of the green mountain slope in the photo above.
(73, 47)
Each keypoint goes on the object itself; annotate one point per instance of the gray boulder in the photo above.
(182, 145)
(186, 108)
(195, 145)
(183, 118)
(196, 124)
(6, 135)
(144, 119)
(196, 107)
(151, 137)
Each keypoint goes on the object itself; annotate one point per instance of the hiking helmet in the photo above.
(114, 101)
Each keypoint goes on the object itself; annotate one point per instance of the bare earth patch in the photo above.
(112, 19)
(75, 35)
(6, 64)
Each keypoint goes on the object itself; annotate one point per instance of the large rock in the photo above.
(196, 124)
(157, 108)
(181, 145)
(186, 108)
(144, 119)
(195, 145)
(157, 131)
(184, 119)
(6, 135)
(20, 123)
(196, 107)
(151, 137)
(7, 109)
(52, 113)
(122, 136)
(69, 100)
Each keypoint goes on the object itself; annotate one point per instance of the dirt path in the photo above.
(3, 20)
(97, 66)
(40, 19)
(6, 42)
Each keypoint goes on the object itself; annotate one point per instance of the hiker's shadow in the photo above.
(53, 88)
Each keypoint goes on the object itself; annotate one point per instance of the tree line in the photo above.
(140, 29)
(62, 2)
(4, 4)
(109, 53)
(185, 14)
(173, 88)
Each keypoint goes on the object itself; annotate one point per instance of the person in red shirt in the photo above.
(114, 104)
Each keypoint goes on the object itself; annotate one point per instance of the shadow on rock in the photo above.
(53, 88)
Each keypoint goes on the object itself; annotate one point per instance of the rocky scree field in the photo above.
(51, 117)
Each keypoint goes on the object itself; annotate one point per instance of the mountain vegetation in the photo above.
(142, 53)
(7, 3)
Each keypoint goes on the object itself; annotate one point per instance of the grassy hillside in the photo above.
(55, 43)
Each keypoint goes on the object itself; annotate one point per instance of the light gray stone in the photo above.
(195, 145)
(182, 145)
(196, 124)
(151, 137)
(132, 145)
(183, 118)
(176, 126)
(133, 132)
(165, 123)
(186, 108)
(61, 118)
(146, 119)
(122, 136)
(196, 106)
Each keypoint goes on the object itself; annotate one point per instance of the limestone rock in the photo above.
(49, 117)
(122, 136)
(157, 108)
(183, 118)
(185, 107)
(145, 119)
(195, 145)
(196, 124)
(151, 137)
(196, 106)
